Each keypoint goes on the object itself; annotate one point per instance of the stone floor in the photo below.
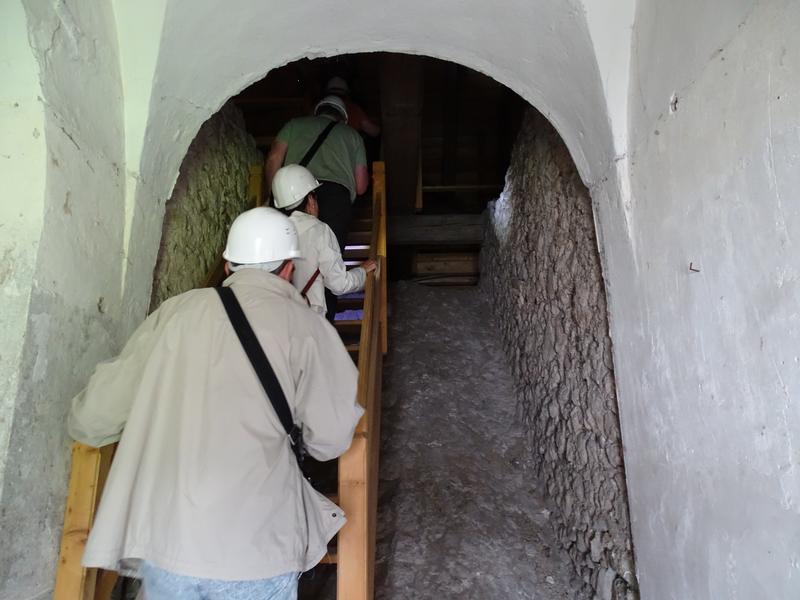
(460, 513)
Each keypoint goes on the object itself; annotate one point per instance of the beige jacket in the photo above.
(204, 482)
(320, 250)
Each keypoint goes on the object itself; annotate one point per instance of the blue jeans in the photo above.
(163, 585)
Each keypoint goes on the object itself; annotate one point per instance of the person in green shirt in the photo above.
(339, 163)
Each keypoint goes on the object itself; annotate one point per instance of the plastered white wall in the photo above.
(705, 300)
(138, 26)
(610, 23)
(74, 310)
(22, 162)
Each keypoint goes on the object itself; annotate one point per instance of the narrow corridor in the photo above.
(460, 514)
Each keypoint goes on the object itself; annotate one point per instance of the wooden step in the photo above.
(359, 237)
(331, 558)
(361, 225)
(356, 252)
(348, 327)
(349, 302)
(447, 280)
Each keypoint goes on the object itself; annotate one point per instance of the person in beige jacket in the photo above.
(204, 492)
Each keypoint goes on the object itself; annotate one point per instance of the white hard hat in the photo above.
(291, 185)
(335, 102)
(337, 85)
(261, 235)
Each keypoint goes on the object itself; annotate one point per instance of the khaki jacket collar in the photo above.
(266, 281)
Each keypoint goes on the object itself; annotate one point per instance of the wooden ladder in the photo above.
(366, 339)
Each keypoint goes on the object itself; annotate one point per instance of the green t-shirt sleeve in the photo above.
(285, 134)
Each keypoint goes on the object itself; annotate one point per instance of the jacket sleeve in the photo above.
(327, 380)
(99, 412)
(334, 273)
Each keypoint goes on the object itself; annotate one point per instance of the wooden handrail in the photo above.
(358, 467)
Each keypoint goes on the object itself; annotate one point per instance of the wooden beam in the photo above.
(418, 200)
(480, 187)
(351, 545)
(436, 229)
(355, 550)
(446, 263)
(106, 580)
(347, 326)
(331, 558)
(88, 475)
(451, 101)
(401, 115)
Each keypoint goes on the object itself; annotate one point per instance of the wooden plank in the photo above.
(106, 580)
(351, 545)
(463, 229)
(380, 210)
(88, 474)
(470, 187)
(451, 104)
(384, 301)
(352, 581)
(451, 263)
(418, 197)
(401, 114)
(350, 303)
(331, 558)
(359, 237)
(361, 224)
(448, 280)
(358, 252)
(373, 447)
(347, 326)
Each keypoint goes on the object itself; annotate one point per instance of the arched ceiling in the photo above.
(209, 51)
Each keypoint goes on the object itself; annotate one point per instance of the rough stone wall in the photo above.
(210, 192)
(541, 269)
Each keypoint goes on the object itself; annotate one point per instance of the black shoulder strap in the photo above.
(317, 143)
(257, 357)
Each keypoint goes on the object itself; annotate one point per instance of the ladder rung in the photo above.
(358, 238)
(352, 348)
(350, 303)
(363, 224)
(347, 326)
(331, 558)
(356, 251)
